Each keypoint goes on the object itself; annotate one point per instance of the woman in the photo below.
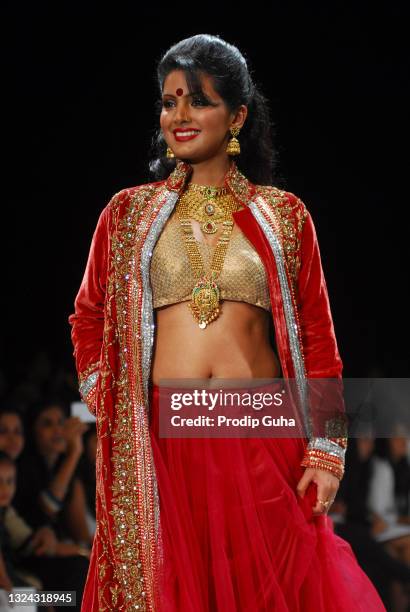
(11, 431)
(395, 451)
(359, 524)
(40, 558)
(51, 491)
(384, 496)
(209, 524)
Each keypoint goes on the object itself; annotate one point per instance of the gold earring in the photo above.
(234, 148)
(170, 153)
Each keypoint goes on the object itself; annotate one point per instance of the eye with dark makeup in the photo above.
(198, 99)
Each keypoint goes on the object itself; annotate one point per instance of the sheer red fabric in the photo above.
(237, 537)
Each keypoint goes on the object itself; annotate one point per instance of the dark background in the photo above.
(79, 86)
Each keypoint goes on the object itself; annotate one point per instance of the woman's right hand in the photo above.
(73, 432)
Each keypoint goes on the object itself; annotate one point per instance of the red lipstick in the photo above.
(182, 135)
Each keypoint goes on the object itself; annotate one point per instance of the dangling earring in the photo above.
(234, 148)
(170, 153)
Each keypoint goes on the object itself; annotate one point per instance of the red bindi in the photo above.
(180, 91)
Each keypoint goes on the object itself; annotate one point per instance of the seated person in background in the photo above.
(12, 442)
(382, 501)
(395, 451)
(359, 524)
(11, 431)
(9, 576)
(56, 565)
(51, 489)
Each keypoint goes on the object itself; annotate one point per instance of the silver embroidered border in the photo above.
(328, 446)
(297, 358)
(147, 307)
(148, 326)
(88, 384)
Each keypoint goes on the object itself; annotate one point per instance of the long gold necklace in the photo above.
(205, 297)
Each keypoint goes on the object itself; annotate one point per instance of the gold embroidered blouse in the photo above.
(243, 277)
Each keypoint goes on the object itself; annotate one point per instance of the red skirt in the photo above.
(237, 537)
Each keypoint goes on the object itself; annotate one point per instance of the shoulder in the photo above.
(130, 199)
(136, 195)
(286, 204)
(291, 215)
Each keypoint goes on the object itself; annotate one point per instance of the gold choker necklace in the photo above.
(204, 302)
(210, 206)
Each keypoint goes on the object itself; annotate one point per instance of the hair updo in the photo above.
(225, 64)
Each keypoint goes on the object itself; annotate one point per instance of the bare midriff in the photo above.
(236, 345)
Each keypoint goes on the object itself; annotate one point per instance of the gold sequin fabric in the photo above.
(243, 277)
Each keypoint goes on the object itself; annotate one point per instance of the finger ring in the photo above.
(325, 503)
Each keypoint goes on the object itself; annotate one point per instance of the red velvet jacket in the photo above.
(113, 334)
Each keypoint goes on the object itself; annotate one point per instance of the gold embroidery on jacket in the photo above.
(108, 586)
(291, 217)
(119, 568)
(131, 508)
(278, 212)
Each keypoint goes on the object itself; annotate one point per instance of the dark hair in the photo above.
(225, 64)
(5, 458)
(11, 407)
(38, 408)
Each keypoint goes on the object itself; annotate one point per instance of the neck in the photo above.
(211, 171)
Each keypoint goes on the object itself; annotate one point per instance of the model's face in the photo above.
(11, 435)
(7, 484)
(194, 127)
(49, 430)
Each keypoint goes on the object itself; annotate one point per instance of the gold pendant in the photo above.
(204, 303)
(209, 227)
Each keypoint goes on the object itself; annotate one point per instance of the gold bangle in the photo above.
(325, 456)
(323, 465)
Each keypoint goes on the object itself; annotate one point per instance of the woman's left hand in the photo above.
(327, 486)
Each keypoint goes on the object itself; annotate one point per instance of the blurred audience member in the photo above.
(11, 430)
(39, 557)
(51, 489)
(395, 451)
(383, 500)
(9, 576)
(356, 522)
(388, 498)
